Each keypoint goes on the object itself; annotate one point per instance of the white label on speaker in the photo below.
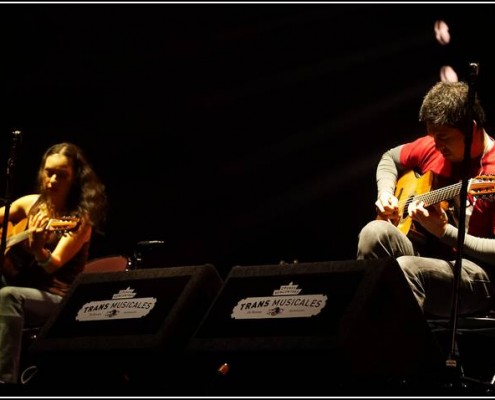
(278, 306)
(124, 294)
(287, 290)
(116, 309)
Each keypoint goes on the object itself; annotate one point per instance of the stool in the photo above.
(474, 346)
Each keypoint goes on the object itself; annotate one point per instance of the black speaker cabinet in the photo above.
(305, 328)
(126, 321)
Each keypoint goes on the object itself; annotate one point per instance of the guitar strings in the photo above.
(448, 192)
(430, 197)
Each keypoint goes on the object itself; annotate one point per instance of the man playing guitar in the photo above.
(438, 156)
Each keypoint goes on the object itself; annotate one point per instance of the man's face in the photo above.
(448, 141)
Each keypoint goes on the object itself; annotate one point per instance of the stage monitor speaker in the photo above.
(109, 318)
(351, 318)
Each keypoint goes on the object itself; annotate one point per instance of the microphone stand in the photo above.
(452, 360)
(16, 138)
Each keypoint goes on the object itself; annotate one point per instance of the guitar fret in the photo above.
(54, 225)
(436, 196)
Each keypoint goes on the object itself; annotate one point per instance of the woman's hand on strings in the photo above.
(38, 235)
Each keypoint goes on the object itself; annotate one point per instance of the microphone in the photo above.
(475, 68)
(17, 135)
(16, 140)
(149, 244)
(143, 247)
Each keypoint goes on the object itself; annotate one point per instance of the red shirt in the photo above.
(422, 156)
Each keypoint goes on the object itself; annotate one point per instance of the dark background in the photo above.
(239, 134)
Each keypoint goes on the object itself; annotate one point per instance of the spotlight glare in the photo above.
(442, 32)
(448, 74)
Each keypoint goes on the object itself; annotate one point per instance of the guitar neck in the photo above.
(438, 195)
(54, 225)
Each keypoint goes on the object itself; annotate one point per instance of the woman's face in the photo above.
(58, 175)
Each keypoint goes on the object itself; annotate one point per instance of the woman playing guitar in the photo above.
(52, 230)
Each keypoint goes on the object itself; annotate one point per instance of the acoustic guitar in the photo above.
(412, 187)
(16, 258)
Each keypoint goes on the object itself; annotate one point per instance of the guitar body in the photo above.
(16, 259)
(15, 229)
(408, 186)
(19, 266)
(413, 186)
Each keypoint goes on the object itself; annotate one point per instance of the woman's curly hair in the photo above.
(87, 196)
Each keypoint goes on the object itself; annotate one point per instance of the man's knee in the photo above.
(408, 264)
(373, 236)
(375, 230)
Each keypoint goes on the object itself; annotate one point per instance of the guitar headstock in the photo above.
(483, 187)
(63, 224)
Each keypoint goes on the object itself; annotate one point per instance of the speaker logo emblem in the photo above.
(123, 305)
(285, 302)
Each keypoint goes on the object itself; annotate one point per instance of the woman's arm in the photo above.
(67, 247)
(19, 208)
